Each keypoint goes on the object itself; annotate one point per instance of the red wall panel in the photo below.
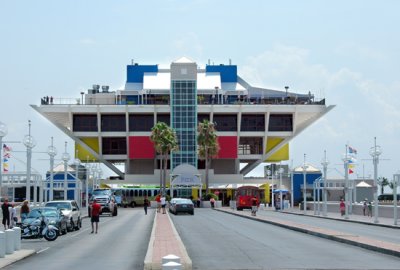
(141, 147)
(228, 147)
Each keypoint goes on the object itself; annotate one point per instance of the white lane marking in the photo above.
(42, 250)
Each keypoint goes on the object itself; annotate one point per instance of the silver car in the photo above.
(71, 210)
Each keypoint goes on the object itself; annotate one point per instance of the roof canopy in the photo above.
(185, 175)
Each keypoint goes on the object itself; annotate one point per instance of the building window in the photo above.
(280, 122)
(141, 122)
(225, 122)
(85, 122)
(114, 146)
(164, 118)
(201, 117)
(250, 146)
(253, 122)
(113, 122)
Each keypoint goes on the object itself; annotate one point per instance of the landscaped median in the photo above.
(164, 240)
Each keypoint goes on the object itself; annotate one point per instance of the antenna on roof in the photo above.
(230, 62)
(209, 61)
(133, 62)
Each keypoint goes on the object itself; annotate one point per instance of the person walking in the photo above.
(158, 200)
(24, 210)
(163, 203)
(145, 204)
(365, 207)
(254, 206)
(369, 209)
(95, 215)
(6, 214)
(13, 215)
(342, 207)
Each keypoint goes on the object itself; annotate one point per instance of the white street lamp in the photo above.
(272, 196)
(87, 171)
(65, 157)
(304, 167)
(396, 181)
(325, 164)
(346, 158)
(29, 142)
(52, 151)
(77, 196)
(3, 133)
(375, 152)
(280, 171)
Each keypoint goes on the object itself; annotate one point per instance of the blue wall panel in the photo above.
(134, 73)
(298, 182)
(228, 73)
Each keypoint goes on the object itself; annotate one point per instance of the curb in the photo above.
(363, 242)
(16, 256)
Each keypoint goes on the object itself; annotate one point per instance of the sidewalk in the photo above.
(356, 240)
(16, 256)
(164, 240)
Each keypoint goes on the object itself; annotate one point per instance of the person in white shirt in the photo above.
(13, 215)
(163, 203)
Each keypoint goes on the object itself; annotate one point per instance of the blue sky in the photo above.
(345, 51)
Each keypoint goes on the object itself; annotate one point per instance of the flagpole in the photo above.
(346, 184)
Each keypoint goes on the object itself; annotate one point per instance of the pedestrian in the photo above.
(369, 209)
(198, 202)
(254, 206)
(145, 204)
(112, 205)
(212, 202)
(95, 215)
(24, 210)
(158, 200)
(47, 100)
(6, 214)
(365, 207)
(163, 203)
(51, 100)
(13, 215)
(342, 207)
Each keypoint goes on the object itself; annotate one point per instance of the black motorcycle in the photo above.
(39, 228)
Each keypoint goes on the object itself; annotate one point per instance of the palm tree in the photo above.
(165, 141)
(207, 141)
(383, 181)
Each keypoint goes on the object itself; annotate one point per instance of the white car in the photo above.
(71, 210)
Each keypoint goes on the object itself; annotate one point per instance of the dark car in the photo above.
(55, 216)
(387, 197)
(181, 206)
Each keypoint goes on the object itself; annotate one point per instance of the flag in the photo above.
(6, 148)
(352, 150)
(351, 171)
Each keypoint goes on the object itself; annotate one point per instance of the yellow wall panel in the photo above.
(83, 153)
(281, 154)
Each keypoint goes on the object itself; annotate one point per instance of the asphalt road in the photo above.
(375, 232)
(215, 240)
(120, 244)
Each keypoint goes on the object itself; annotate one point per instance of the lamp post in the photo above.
(269, 174)
(346, 159)
(52, 151)
(77, 196)
(29, 142)
(280, 171)
(396, 180)
(3, 132)
(325, 164)
(65, 157)
(375, 152)
(304, 167)
(88, 170)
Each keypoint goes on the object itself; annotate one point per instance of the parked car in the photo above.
(55, 216)
(71, 210)
(181, 206)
